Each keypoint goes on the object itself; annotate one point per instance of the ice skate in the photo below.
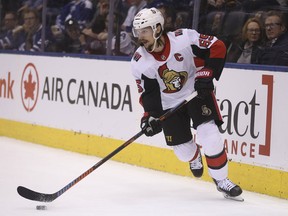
(196, 166)
(229, 189)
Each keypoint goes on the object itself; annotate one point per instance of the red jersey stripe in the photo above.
(218, 50)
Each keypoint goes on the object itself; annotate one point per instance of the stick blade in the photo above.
(36, 196)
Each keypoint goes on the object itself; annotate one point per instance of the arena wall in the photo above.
(90, 106)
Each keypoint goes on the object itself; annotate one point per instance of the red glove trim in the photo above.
(146, 114)
(204, 73)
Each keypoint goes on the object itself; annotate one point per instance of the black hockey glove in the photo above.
(150, 125)
(204, 82)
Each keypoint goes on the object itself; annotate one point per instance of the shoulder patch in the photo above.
(136, 57)
(178, 32)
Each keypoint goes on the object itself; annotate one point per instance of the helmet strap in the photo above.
(155, 39)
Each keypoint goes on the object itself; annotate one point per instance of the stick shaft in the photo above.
(124, 145)
(42, 197)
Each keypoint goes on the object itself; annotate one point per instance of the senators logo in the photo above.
(206, 111)
(173, 80)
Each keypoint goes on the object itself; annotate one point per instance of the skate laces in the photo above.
(225, 184)
(197, 163)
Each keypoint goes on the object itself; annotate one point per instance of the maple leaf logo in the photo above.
(29, 87)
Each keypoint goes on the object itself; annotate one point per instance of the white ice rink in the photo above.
(114, 189)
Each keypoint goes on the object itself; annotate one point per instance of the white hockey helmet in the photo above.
(147, 17)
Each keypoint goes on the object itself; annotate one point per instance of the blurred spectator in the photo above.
(96, 39)
(233, 22)
(169, 16)
(216, 25)
(183, 13)
(97, 25)
(35, 4)
(122, 45)
(183, 5)
(102, 8)
(182, 20)
(80, 11)
(159, 3)
(127, 45)
(246, 50)
(283, 3)
(251, 6)
(275, 51)
(235, 5)
(9, 24)
(53, 10)
(72, 40)
(96, 43)
(10, 6)
(28, 36)
(210, 21)
(136, 6)
(215, 5)
(260, 15)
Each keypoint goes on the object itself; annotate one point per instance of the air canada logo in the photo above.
(174, 81)
(29, 87)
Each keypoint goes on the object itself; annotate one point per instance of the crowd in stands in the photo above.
(254, 31)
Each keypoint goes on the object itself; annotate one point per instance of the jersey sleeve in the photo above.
(209, 49)
(149, 91)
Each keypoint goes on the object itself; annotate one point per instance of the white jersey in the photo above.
(175, 67)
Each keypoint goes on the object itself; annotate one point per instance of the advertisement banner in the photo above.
(100, 97)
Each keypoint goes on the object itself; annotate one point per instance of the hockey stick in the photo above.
(43, 197)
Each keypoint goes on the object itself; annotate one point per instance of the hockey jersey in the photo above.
(165, 79)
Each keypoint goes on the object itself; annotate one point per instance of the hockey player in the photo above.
(168, 67)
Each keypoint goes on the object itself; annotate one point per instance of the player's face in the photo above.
(145, 37)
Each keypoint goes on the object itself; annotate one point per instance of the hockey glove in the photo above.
(150, 125)
(204, 82)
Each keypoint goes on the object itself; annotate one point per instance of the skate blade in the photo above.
(237, 198)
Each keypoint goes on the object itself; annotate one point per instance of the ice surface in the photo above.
(112, 189)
